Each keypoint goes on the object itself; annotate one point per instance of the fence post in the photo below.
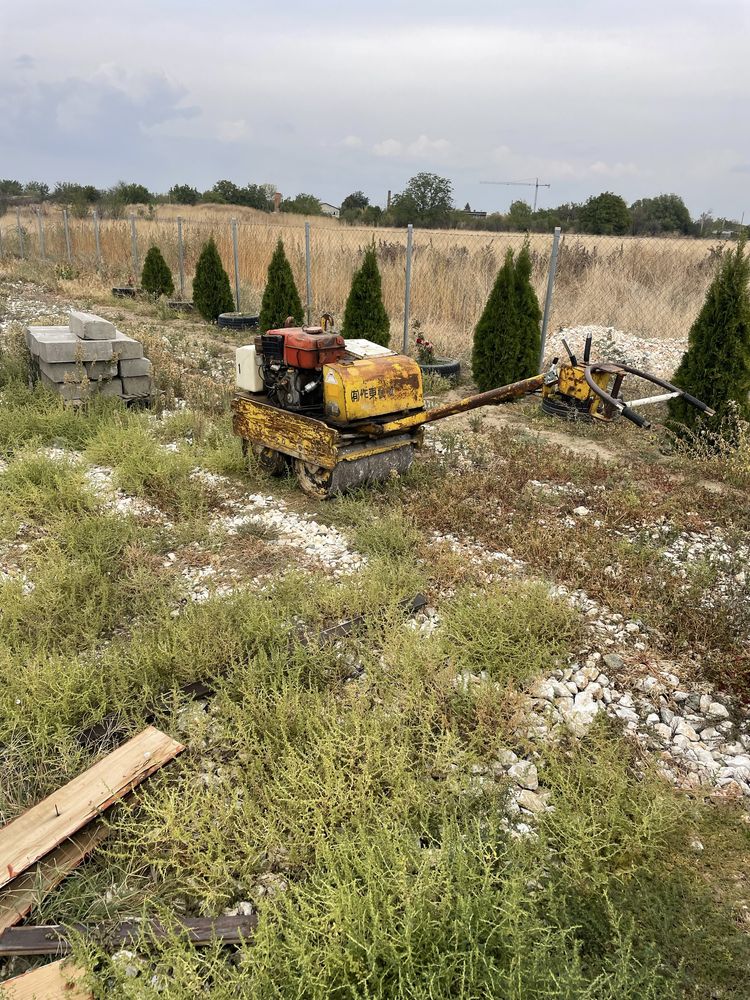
(1, 244)
(548, 298)
(134, 247)
(19, 227)
(235, 252)
(67, 235)
(98, 241)
(308, 281)
(181, 258)
(407, 293)
(41, 232)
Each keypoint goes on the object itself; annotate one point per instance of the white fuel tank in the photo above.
(247, 370)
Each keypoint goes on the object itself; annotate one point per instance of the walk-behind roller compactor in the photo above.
(345, 413)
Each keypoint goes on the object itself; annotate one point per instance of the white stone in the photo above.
(581, 511)
(525, 774)
(531, 801)
(717, 711)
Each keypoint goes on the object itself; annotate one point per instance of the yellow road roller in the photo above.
(345, 413)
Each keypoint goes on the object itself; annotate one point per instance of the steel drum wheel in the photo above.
(314, 480)
(271, 461)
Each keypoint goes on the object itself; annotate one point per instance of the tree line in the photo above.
(426, 201)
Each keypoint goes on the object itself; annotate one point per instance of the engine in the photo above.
(291, 364)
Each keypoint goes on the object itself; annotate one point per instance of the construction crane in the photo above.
(535, 184)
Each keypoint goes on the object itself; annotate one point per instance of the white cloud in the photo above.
(352, 142)
(388, 147)
(421, 148)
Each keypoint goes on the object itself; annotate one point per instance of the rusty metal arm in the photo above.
(504, 394)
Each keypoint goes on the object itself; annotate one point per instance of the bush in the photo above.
(529, 317)
(280, 296)
(212, 294)
(716, 366)
(156, 278)
(495, 356)
(365, 315)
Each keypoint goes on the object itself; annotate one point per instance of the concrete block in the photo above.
(78, 391)
(55, 344)
(72, 371)
(134, 367)
(88, 326)
(111, 388)
(101, 369)
(68, 390)
(138, 386)
(125, 348)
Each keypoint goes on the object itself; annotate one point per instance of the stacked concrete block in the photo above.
(90, 356)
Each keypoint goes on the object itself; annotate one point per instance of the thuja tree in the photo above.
(281, 299)
(212, 293)
(716, 366)
(365, 315)
(156, 278)
(495, 356)
(529, 318)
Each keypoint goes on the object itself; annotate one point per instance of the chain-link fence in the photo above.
(638, 291)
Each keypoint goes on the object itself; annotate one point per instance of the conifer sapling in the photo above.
(212, 293)
(365, 316)
(156, 278)
(281, 299)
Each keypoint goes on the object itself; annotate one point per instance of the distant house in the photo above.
(333, 210)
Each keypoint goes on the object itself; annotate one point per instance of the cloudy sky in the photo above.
(639, 97)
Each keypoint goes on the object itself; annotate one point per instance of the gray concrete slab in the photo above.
(89, 326)
(134, 367)
(72, 371)
(139, 386)
(58, 344)
(79, 391)
(125, 348)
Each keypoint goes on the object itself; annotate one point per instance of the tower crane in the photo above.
(535, 184)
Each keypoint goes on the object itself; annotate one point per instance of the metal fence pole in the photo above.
(98, 240)
(19, 227)
(407, 293)
(235, 252)
(1, 244)
(308, 280)
(134, 247)
(548, 298)
(67, 235)
(181, 258)
(41, 233)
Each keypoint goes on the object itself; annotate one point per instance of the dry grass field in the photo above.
(650, 288)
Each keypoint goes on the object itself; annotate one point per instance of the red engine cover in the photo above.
(310, 347)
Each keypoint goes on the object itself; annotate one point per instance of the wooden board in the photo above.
(39, 830)
(21, 895)
(56, 981)
(52, 939)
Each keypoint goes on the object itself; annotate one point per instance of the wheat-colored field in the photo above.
(647, 287)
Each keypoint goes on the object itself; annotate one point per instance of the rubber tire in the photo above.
(238, 321)
(445, 368)
(126, 292)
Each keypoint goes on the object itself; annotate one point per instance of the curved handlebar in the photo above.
(622, 407)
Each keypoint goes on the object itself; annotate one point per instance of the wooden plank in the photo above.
(56, 981)
(52, 939)
(39, 830)
(21, 895)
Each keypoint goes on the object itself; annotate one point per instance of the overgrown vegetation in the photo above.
(350, 790)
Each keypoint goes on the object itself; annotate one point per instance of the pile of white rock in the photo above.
(89, 356)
